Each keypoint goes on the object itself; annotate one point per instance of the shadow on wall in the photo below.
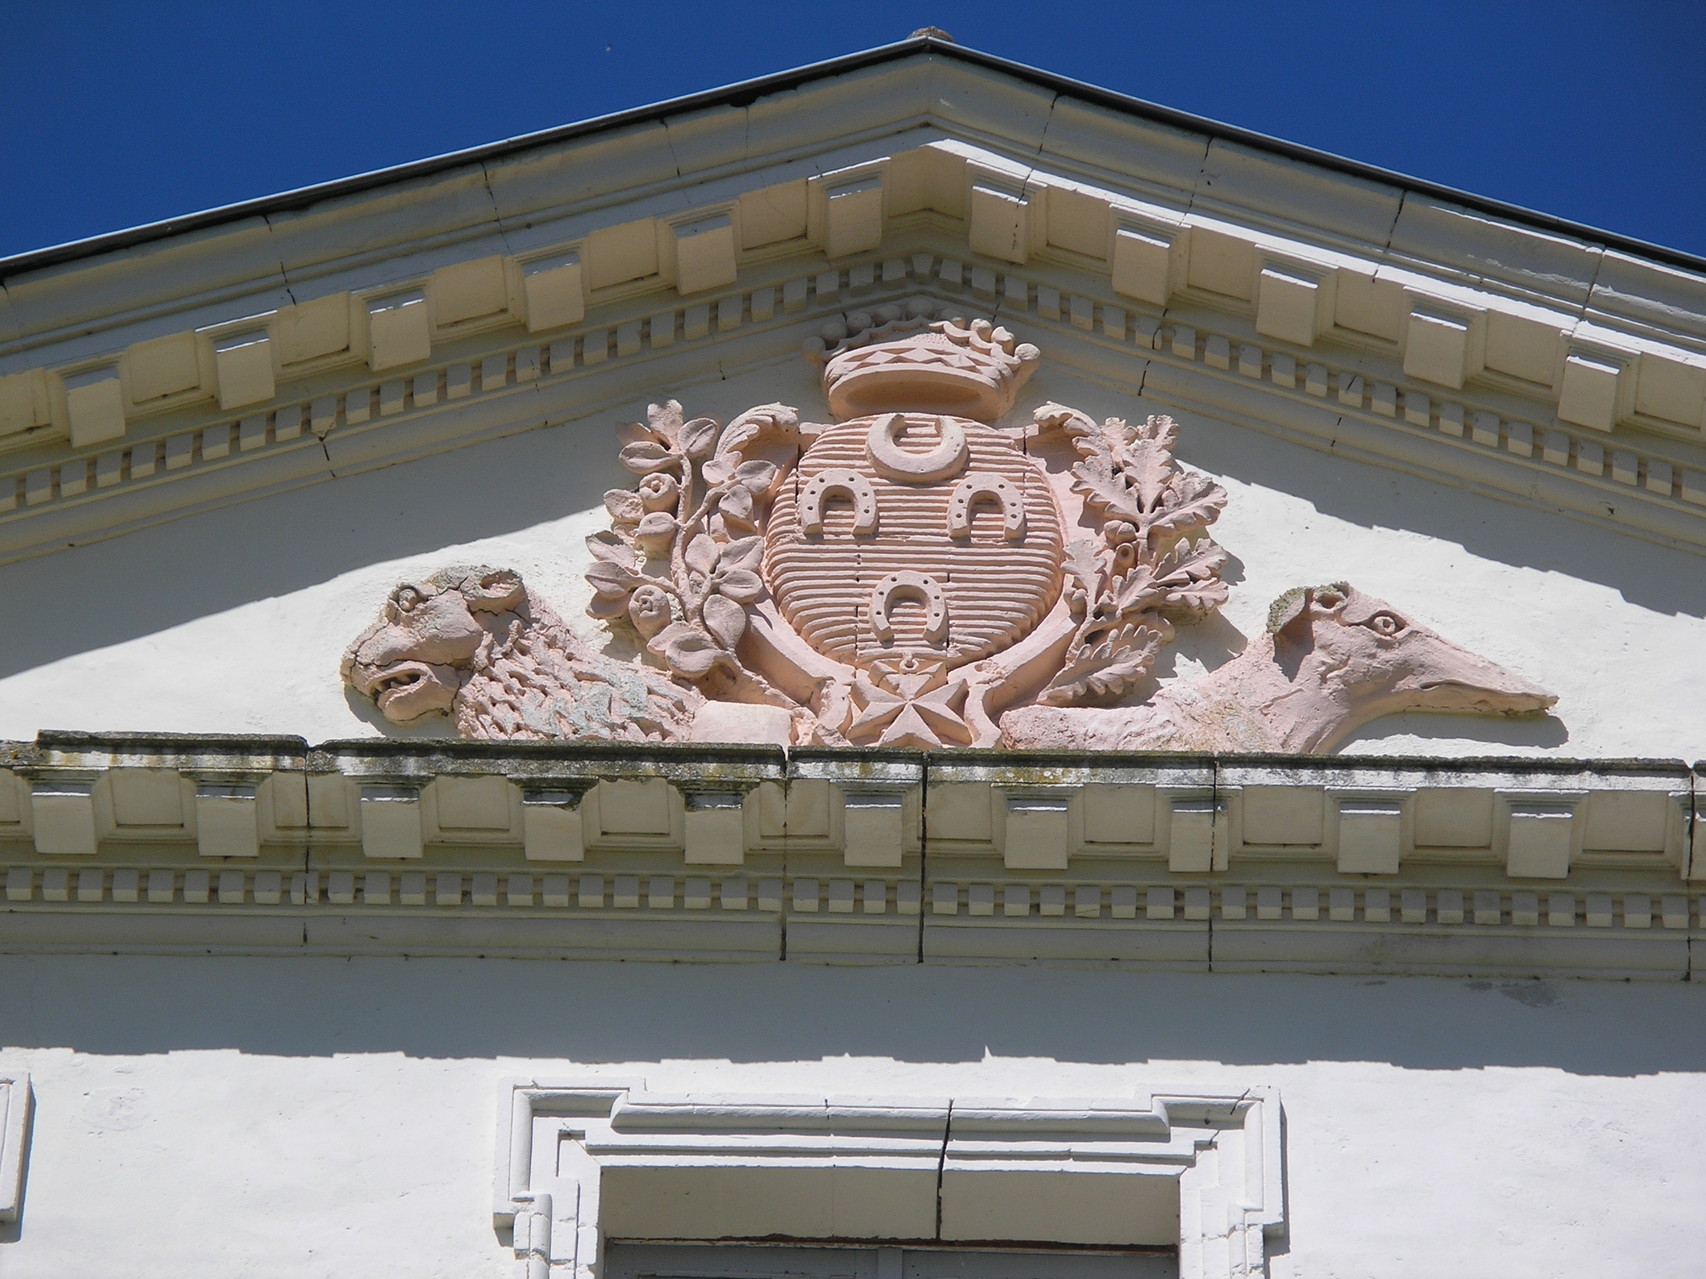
(595, 1013)
(1643, 573)
(207, 563)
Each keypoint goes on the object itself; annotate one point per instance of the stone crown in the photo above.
(912, 357)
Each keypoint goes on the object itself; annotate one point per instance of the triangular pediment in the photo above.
(228, 445)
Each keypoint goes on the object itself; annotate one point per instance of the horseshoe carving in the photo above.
(947, 459)
(983, 484)
(838, 483)
(917, 586)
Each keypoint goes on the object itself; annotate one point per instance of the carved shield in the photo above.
(914, 535)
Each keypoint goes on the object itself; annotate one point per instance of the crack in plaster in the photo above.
(942, 1160)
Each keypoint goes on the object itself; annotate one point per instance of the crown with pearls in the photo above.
(918, 357)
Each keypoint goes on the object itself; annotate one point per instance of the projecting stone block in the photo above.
(243, 368)
(554, 291)
(1371, 836)
(1036, 834)
(225, 815)
(1196, 839)
(1000, 215)
(551, 826)
(1148, 258)
(63, 812)
(391, 821)
(874, 822)
(94, 404)
(398, 330)
(1443, 342)
(1588, 394)
(1541, 837)
(851, 211)
(704, 252)
(1294, 300)
(715, 827)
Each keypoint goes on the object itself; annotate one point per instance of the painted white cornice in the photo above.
(240, 845)
(149, 378)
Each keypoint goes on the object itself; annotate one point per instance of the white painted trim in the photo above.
(556, 1140)
(15, 1103)
(1644, 483)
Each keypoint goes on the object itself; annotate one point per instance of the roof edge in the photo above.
(746, 91)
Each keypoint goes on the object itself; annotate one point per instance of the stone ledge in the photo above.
(267, 845)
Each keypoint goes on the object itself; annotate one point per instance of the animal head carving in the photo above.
(1375, 660)
(416, 657)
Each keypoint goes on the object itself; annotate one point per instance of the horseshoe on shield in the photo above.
(916, 586)
(895, 463)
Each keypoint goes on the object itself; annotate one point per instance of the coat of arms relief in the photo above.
(909, 574)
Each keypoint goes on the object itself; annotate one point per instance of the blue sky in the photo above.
(114, 114)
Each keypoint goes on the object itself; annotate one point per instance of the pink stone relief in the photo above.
(909, 575)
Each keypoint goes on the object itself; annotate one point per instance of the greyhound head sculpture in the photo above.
(1331, 660)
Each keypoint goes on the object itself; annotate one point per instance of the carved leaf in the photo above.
(646, 456)
(736, 504)
(719, 470)
(699, 437)
(1085, 563)
(758, 478)
(1103, 487)
(1056, 417)
(725, 619)
(1160, 430)
(612, 549)
(749, 425)
(740, 584)
(701, 553)
(742, 553)
(634, 433)
(611, 580)
(688, 651)
(1136, 589)
(1192, 501)
(1106, 668)
(624, 506)
(607, 606)
(1189, 574)
(1148, 466)
(665, 419)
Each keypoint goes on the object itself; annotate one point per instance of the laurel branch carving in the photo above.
(1153, 565)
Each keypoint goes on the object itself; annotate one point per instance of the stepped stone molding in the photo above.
(579, 1162)
(1649, 488)
(1492, 868)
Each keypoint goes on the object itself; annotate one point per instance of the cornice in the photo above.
(1194, 350)
(238, 845)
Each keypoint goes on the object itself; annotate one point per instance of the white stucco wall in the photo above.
(234, 620)
(310, 1117)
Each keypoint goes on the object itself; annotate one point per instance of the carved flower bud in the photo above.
(1119, 532)
(658, 491)
(648, 610)
(656, 532)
